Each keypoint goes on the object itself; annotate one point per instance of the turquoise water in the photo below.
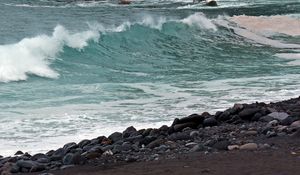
(71, 70)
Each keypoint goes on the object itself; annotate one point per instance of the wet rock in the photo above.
(134, 139)
(155, 143)
(126, 146)
(66, 167)
(116, 136)
(278, 115)
(256, 117)
(43, 160)
(130, 131)
(289, 120)
(221, 145)
(14, 168)
(69, 146)
(148, 139)
(194, 134)
(194, 118)
(30, 165)
(271, 134)
(248, 113)
(211, 121)
(250, 133)
(58, 154)
(83, 143)
(39, 156)
(180, 127)
(249, 146)
(224, 116)
(19, 153)
(272, 123)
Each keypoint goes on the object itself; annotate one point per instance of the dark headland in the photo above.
(256, 138)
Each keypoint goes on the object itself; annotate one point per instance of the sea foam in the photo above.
(34, 55)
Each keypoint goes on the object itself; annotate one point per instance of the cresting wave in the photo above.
(33, 56)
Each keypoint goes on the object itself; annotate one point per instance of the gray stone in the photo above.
(279, 115)
(19, 153)
(211, 121)
(249, 146)
(194, 134)
(67, 147)
(130, 131)
(180, 127)
(296, 124)
(272, 123)
(179, 136)
(155, 143)
(221, 145)
(116, 136)
(266, 118)
(197, 148)
(289, 120)
(66, 167)
(39, 156)
(58, 154)
(248, 113)
(83, 143)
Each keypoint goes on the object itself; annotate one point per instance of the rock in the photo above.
(278, 115)
(211, 3)
(66, 167)
(83, 143)
(233, 147)
(58, 154)
(39, 156)
(134, 139)
(194, 134)
(155, 143)
(295, 124)
(126, 146)
(43, 160)
(19, 153)
(14, 168)
(221, 145)
(256, 117)
(69, 146)
(272, 123)
(191, 144)
(194, 118)
(116, 136)
(30, 165)
(211, 121)
(130, 131)
(91, 154)
(289, 120)
(179, 136)
(271, 134)
(250, 133)
(224, 116)
(266, 118)
(197, 148)
(180, 127)
(248, 113)
(6, 168)
(146, 140)
(249, 146)
(296, 134)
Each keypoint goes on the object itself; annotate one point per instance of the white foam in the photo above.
(199, 20)
(34, 55)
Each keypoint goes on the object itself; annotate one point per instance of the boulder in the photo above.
(116, 136)
(249, 146)
(221, 145)
(248, 113)
(130, 131)
(211, 121)
(278, 115)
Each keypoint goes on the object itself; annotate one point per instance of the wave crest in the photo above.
(34, 55)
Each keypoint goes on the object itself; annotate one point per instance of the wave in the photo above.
(34, 55)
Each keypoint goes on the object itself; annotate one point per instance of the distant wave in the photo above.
(33, 56)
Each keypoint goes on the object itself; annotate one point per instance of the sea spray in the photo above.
(34, 55)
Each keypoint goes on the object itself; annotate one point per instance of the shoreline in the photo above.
(241, 128)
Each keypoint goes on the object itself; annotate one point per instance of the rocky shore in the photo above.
(248, 127)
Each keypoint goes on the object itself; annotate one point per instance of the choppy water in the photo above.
(74, 69)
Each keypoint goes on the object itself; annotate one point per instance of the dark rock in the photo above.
(58, 154)
(266, 118)
(211, 121)
(69, 146)
(134, 139)
(14, 168)
(221, 145)
(39, 156)
(212, 3)
(289, 120)
(256, 117)
(154, 132)
(224, 116)
(71, 159)
(194, 118)
(146, 140)
(198, 147)
(66, 167)
(43, 160)
(126, 146)
(29, 165)
(50, 153)
(19, 153)
(83, 143)
(164, 128)
(130, 131)
(147, 132)
(155, 143)
(248, 113)
(180, 127)
(180, 136)
(116, 136)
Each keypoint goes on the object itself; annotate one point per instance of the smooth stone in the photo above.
(14, 168)
(211, 121)
(197, 148)
(66, 167)
(19, 153)
(70, 146)
(289, 120)
(126, 146)
(91, 155)
(39, 156)
(129, 132)
(278, 115)
(116, 136)
(83, 143)
(296, 124)
(224, 116)
(155, 143)
(180, 127)
(266, 118)
(249, 146)
(193, 118)
(179, 136)
(250, 133)
(271, 134)
(26, 164)
(248, 113)
(221, 145)
(194, 134)
(134, 139)
(233, 147)
(191, 144)
(272, 123)
(43, 160)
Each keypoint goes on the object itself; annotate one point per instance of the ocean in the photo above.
(73, 70)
